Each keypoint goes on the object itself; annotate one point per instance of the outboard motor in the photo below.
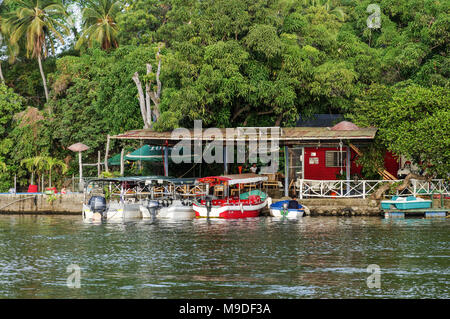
(152, 207)
(98, 204)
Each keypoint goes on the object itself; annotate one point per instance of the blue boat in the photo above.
(287, 208)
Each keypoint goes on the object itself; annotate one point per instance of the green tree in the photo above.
(36, 23)
(34, 165)
(99, 24)
(413, 121)
(50, 163)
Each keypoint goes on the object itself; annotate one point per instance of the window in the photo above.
(335, 158)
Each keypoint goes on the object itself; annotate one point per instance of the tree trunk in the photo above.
(384, 188)
(141, 98)
(44, 81)
(147, 98)
(1, 73)
(50, 177)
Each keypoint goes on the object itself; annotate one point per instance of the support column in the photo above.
(225, 160)
(122, 168)
(347, 169)
(166, 160)
(286, 170)
(81, 167)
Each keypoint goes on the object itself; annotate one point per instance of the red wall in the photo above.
(321, 172)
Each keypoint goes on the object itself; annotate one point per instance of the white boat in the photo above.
(166, 199)
(116, 199)
(175, 210)
(287, 209)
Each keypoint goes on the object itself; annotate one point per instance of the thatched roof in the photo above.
(78, 147)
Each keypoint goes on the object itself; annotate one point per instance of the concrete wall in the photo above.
(72, 204)
(24, 203)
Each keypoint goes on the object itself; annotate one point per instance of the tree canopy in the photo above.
(235, 63)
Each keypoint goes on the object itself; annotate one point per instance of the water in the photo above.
(314, 257)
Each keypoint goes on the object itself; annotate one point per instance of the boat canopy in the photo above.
(233, 179)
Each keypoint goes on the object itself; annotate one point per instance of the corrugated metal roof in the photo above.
(281, 134)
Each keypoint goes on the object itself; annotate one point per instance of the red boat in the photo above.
(234, 202)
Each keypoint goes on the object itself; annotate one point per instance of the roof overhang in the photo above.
(288, 135)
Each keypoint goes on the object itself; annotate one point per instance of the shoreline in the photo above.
(71, 204)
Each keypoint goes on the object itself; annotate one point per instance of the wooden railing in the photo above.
(363, 188)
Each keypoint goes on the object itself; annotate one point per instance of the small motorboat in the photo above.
(410, 202)
(113, 199)
(168, 199)
(287, 208)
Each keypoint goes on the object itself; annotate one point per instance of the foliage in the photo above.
(413, 121)
(99, 24)
(232, 63)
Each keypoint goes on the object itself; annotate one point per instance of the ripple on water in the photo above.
(323, 257)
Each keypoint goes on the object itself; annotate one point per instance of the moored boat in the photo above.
(410, 202)
(226, 201)
(113, 199)
(287, 208)
(169, 198)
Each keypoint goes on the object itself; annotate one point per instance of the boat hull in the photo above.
(229, 211)
(291, 213)
(175, 211)
(127, 211)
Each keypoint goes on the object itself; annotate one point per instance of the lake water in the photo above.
(314, 257)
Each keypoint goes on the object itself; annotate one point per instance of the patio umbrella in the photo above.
(79, 147)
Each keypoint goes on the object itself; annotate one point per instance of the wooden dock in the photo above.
(426, 212)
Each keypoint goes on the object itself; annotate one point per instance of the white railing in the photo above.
(363, 188)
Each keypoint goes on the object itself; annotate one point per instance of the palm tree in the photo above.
(33, 165)
(330, 6)
(51, 162)
(2, 166)
(36, 23)
(99, 24)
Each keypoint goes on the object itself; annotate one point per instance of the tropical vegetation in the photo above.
(226, 62)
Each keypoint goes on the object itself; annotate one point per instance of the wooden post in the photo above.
(99, 170)
(301, 188)
(286, 171)
(122, 162)
(364, 189)
(81, 166)
(106, 153)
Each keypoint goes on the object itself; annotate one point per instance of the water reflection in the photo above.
(311, 257)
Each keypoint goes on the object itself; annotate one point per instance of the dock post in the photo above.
(286, 171)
